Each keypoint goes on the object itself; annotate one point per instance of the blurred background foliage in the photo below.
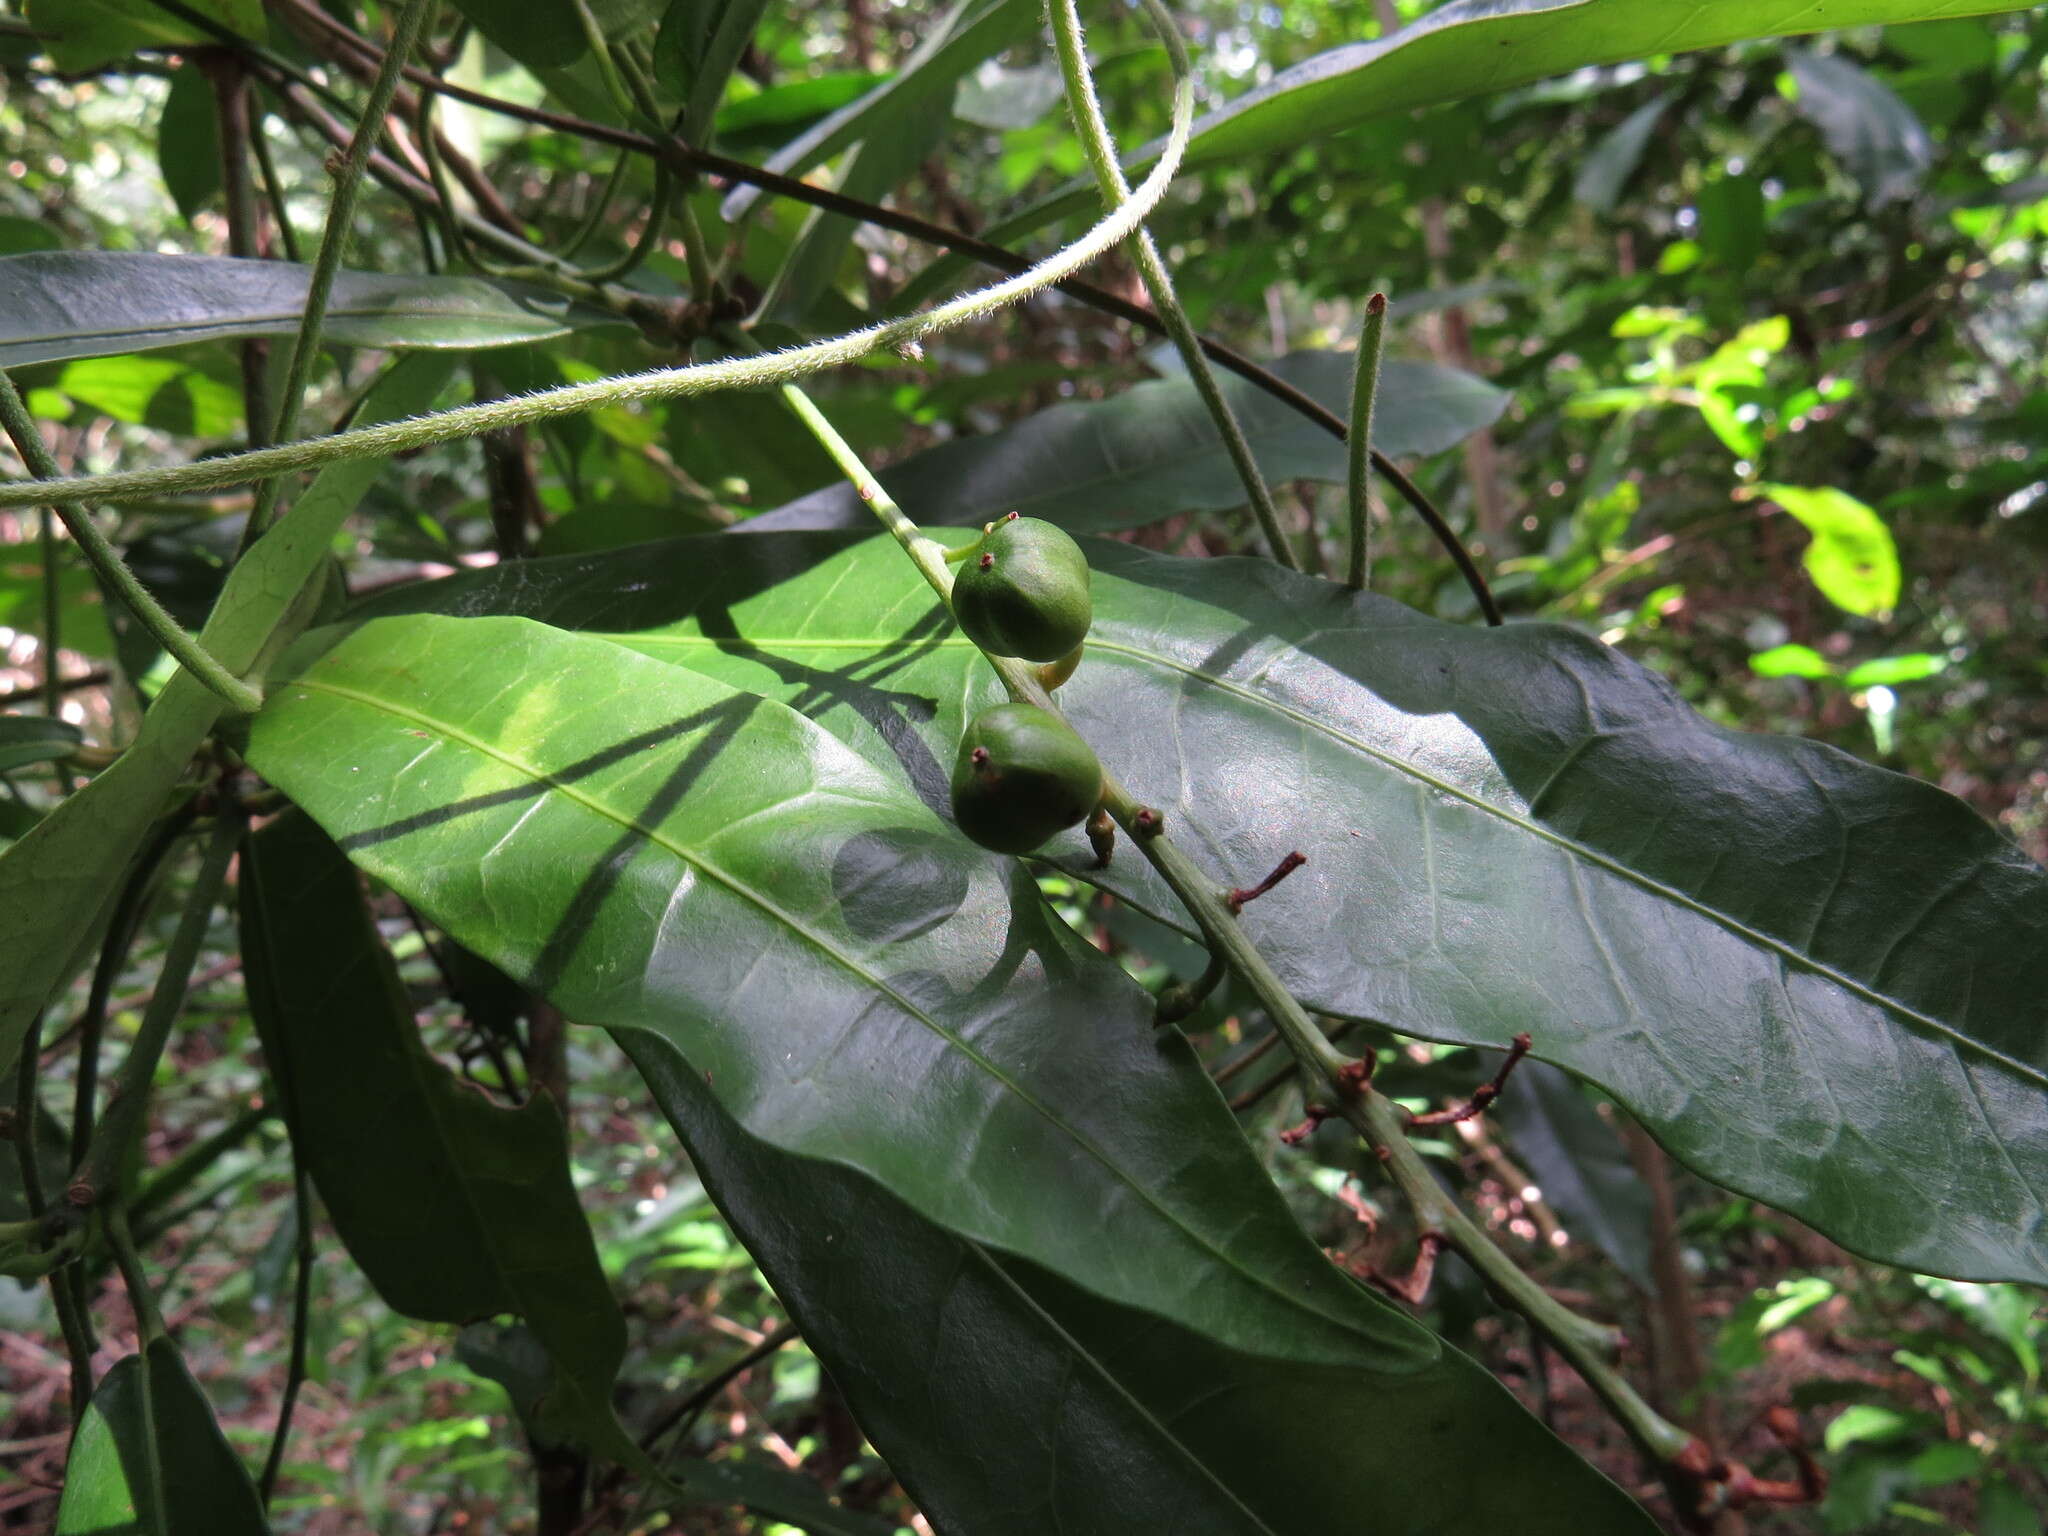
(1769, 321)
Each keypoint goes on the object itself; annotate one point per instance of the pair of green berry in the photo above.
(1023, 774)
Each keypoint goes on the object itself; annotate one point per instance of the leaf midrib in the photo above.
(851, 964)
(1574, 848)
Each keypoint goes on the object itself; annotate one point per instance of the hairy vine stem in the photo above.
(105, 559)
(658, 384)
(1086, 108)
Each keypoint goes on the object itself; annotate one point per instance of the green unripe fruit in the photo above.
(1024, 591)
(1021, 776)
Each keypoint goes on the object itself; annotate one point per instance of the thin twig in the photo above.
(302, 1309)
(98, 1177)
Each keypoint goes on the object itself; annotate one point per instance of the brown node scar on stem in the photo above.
(1102, 836)
(1148, 822)
(1235, 899)
(1482, 1096)
(1295, 1135)
(1705, 1486)
(1412, 1287)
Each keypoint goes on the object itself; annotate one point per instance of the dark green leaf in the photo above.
(763, 914)
(84, 34)
(1580, 1164)
(96, 303)
(1012, 1403)
(1614, 159)
(787, 1497)
(188, 142)
(538, 33)
(26, 739)
(1731, 210)
(698, 46)
(18, 234)
(1153, 451)
(1874, 134)
(149, 1460)
(972, 31)
(82, 617)
(455, 1207)
(1812, 979)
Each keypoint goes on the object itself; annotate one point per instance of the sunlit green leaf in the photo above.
(1852, 558)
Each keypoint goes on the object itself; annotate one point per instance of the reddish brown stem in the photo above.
(1236, 899)
(1412, 1287)
(1482, 1096)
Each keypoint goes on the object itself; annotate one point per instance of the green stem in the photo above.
(273, 186)
(106, 560)
(1365, 385)
(1086, 108)
(302, 1308)
(149, 1320)
(657, 384)
(348, 180)
(53, 613)
(99, 1175)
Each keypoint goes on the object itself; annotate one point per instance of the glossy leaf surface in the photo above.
(775, 920)
(149, 1460)
(1011, 1403)
(57, 881)
(98, 303)
(455, 1208)
(1813, 979)
(1152, 451)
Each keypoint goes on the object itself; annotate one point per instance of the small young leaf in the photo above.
(1852, 558)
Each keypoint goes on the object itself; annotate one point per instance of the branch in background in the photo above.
(224, 72)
